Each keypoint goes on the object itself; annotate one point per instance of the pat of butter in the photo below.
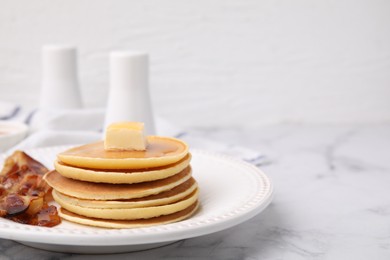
(125, 136)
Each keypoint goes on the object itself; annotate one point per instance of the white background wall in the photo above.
(216, 63)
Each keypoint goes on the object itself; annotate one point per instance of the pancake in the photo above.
(166, 197)
(106, 223)
(160, 151)
(129, 214)
(122, 176)
(107, 191)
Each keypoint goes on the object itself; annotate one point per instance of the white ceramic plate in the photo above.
(231, 191)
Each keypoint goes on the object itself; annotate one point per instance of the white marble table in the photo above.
(332, 200)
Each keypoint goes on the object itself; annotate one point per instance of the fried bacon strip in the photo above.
(24, 195)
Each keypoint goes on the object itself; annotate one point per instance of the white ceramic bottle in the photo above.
(60, 86)
(60, 91)
(129, 98)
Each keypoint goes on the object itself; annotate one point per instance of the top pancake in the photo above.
(160, 151)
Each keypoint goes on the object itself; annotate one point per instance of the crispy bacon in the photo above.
(24, 195)
(14, 203)
(47, 216)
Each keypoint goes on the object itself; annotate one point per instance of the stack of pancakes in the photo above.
(125, 189)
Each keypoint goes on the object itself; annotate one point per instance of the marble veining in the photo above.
(332, 200)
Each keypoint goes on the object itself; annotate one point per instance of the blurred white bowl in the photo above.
(11, 133)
